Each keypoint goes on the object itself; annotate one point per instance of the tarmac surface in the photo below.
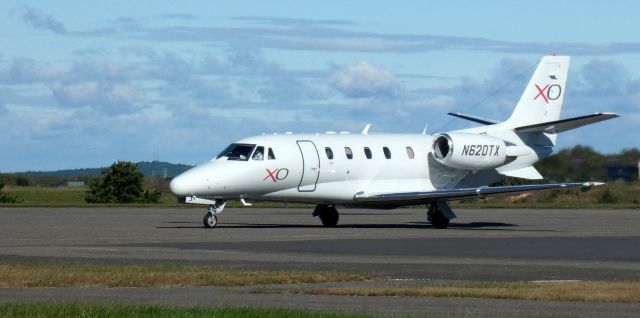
(398, 245)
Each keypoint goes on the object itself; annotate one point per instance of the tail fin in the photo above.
(541, 101)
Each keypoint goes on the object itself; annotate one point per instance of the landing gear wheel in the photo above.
(439, 221)
(210, 220)
(328, 215)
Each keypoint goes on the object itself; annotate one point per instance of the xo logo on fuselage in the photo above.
(548, 92)
(276, 175)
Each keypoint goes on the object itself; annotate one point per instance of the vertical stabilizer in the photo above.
(542, 98)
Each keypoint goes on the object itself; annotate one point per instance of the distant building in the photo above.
(623, 173)
(75, 184)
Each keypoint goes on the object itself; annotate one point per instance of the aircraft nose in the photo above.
(180, 186)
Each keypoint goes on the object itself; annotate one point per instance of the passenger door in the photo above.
(310, 166)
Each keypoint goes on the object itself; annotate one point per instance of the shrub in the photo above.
(607, 196)
(7, 198)
(22, 181)
(122, 182)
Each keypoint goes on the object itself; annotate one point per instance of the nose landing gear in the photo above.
(215, 207)
(210, 219)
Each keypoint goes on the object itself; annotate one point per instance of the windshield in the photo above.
(237, 152)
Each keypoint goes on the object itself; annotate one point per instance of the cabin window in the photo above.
(348, 152)
(237, 152)
(329, 153)
(271, 156)
(410, 153)
(387, 152)
(367, 152)
(258, 154)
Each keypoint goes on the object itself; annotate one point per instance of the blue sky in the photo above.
(83, 84)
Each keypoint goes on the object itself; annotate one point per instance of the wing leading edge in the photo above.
(465, 193)
(559, 126)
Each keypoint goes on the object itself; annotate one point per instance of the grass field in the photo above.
(64, 196)
(72, 196)
(54, 274)
(610, 196)
(41, 274)
(605, 291)
(119, 311)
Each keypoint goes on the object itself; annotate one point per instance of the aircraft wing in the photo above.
(566, 124)
(465, 193)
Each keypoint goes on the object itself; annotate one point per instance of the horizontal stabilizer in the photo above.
(476, 119)
(525, 173)
(464, 193)
(559, 126)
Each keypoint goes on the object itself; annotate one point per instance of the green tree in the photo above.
(22, 181)
(7, 198)
(120, 183)
(580, 163)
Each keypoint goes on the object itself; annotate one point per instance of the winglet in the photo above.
(365, 130)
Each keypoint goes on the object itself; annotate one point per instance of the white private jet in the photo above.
(393, 170)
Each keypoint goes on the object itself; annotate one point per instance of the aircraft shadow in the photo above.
(493, 226)
(411, 225)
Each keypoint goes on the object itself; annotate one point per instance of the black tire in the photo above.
(210, 220)
(439, 221)
(329, 217)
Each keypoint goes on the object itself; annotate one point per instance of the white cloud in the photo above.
(25, 70)
(364, 79)
(93, 93)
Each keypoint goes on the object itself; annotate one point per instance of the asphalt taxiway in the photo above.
(500, 244)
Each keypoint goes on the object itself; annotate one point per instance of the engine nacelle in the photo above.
(469, 151)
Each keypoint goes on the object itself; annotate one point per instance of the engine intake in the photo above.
(469, 151)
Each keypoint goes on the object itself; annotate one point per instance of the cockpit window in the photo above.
(258, 154)
(271, 155)
(237, 152)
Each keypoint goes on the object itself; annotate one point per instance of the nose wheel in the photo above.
(210, 219)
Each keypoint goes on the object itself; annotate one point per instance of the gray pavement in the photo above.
(501, 244)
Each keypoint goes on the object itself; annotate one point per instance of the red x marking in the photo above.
(541, 93)
(271, 175)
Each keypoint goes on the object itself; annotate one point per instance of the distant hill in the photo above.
(149, 168)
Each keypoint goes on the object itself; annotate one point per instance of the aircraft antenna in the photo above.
(492, 94)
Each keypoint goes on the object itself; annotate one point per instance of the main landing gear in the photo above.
(439, 213)
(328, 214)
(210, 219)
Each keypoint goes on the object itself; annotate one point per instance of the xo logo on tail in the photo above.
(548, 92)
(277, 174)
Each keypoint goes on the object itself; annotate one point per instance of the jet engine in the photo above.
(469, 151)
